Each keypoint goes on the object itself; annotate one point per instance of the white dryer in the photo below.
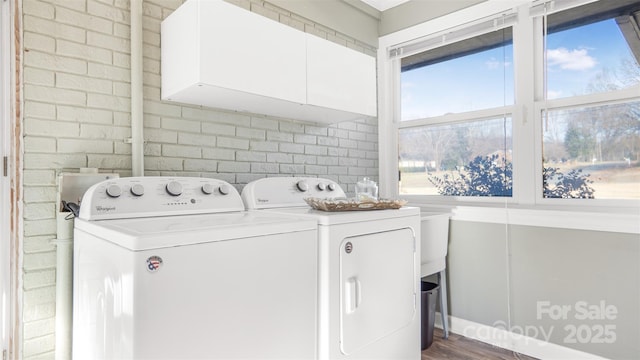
(369, 269)
(174, 268)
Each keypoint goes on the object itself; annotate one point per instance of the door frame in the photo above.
(10, 258)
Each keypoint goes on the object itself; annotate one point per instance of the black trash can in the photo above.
(429, 298)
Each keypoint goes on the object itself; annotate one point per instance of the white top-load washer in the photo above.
(174, 268)
(369, 264)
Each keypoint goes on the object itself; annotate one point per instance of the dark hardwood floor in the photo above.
(461, 348)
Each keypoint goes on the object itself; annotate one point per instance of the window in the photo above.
(534, 105)
(468, 75)
(463, 159)
(591, 135)
(468, 154)
(591, 54)
(592, 152)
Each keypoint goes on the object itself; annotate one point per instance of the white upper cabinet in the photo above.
(214, 53)
(219, 55)
(340, 78)
(242, 51)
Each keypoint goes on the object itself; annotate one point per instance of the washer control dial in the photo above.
(207, 189)
(302, 186)
(174, 188)
(224, 189)
(332, 187)
(137, 189)
(322, 186)
(114, 191)
(155, 196)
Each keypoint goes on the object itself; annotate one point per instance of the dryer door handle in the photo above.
(352, 294)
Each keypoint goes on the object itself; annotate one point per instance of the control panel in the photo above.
(277, 192)
(158, 196)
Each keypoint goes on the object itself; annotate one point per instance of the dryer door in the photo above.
(377, 295)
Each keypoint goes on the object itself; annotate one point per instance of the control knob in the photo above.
(224, 189)
(114, 191)
(322, 186)
(207, 189)
(174, 188)
(332, 187)
(302, 186)
(137, 189)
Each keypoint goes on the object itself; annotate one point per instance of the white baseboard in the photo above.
(512, 341)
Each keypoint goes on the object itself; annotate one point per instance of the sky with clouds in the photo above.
(468, 83)
(575, 59)
(572, 60)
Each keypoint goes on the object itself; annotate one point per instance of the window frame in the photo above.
(526, 113)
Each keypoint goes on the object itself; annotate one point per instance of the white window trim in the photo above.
(551, 218)
(455, 34)
(476, 115)
(527, 149)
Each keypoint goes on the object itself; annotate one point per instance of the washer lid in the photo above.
(168, 231)
(345, 217)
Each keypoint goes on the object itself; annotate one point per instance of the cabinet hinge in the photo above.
(5, 170)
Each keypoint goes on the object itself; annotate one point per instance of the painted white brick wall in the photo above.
(76, 70)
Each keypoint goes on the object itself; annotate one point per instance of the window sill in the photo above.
(621, 221)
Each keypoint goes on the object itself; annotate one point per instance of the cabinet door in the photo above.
(377, 295)
(244, 51)
(340, 78)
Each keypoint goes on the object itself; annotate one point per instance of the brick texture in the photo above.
(76, 69)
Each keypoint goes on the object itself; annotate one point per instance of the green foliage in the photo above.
(573, 185)
(484, 176)
(579, 143)
(492, 176)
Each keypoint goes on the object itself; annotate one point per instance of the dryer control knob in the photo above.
(302, 186)
(114, 191)
(137, 189)
(174, 188)
(332, 187)
(322, 186)
(224, 189)
(207, 189)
